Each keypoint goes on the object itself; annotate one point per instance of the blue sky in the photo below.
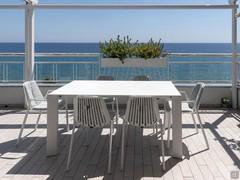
(94, 26)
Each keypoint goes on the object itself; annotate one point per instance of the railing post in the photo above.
(29, 43)
(234, 55)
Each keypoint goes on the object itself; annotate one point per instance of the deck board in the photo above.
(143, 153)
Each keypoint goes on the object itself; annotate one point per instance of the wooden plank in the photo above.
(156, 162)
(138, 159)
(82, 167)
(116, 173)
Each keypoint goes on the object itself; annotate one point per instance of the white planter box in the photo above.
(133, 62)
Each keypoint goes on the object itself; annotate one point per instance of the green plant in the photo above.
(47, 78)
(118, 48)
(124, 48)
(226, 102)
(149, 50)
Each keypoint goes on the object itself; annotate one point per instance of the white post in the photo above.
(29, 43)
(234, 55)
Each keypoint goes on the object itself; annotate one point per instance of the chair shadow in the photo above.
(90, 161)
(228, 144)
(11, 111)
(227, 147)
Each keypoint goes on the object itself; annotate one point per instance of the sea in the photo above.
(178, 68)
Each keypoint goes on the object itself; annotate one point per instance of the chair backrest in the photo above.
(32, 93)
(90, 111)
(196, 95)
(142, 111)
(107, 78)
(141, 78)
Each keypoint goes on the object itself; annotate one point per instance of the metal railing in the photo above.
(64, 67)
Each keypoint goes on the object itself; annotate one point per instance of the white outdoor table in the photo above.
(115, 89)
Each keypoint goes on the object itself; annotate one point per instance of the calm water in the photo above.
(93, 47)
(65, 72)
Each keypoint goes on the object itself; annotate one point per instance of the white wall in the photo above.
(12, 95)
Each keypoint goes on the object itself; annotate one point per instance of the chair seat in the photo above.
(108, 99)
(43, 105)
(185, 106)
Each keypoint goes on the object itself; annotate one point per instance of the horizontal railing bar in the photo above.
(67, 62)
(98, 54)
(11, 62)
(11, 54)
(121, 6)
(199, 62)
(202, 54)
(95, 62)
(55, 54)
(12, 6)
(68, 54)
(51, 62)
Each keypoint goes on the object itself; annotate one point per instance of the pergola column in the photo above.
(234, 55)
(29, 43)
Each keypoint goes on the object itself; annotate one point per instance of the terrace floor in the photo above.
(29, 161)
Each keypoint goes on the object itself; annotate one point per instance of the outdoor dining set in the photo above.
(96, 104)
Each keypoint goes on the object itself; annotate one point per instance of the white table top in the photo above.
(118, 88)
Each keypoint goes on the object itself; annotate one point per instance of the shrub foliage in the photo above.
(125, 48)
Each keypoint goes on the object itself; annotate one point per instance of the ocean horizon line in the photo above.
(140, 41)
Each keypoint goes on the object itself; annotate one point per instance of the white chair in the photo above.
(167, 113)
(110, 100)
(36, 101)
(105, 77)
(143, 112)
(141, 78)
(191, 105)
(91, 112)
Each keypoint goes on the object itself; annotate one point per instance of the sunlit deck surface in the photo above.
(29, 161)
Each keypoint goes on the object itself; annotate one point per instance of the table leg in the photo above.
(52, 125)
(177, 127)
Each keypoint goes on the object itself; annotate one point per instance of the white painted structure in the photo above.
(29, 31)
(133, 62)
(12, 95)
(29, 43)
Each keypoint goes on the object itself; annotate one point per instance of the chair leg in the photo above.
(163, 153)
(194, 121)
(168, 129)
(122, 146)
(70, 147)
(113, 105)
(66, 108)
(38, 119)
(110, 148)
(23, 125)
(154, 128)
(203, 131)
(162, 144)
(117, 110)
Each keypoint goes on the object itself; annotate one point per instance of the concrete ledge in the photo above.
(11, 94)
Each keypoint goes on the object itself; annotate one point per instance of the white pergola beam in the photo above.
(122, 6)
(130, 6)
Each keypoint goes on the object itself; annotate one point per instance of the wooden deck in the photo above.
(29, 161)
